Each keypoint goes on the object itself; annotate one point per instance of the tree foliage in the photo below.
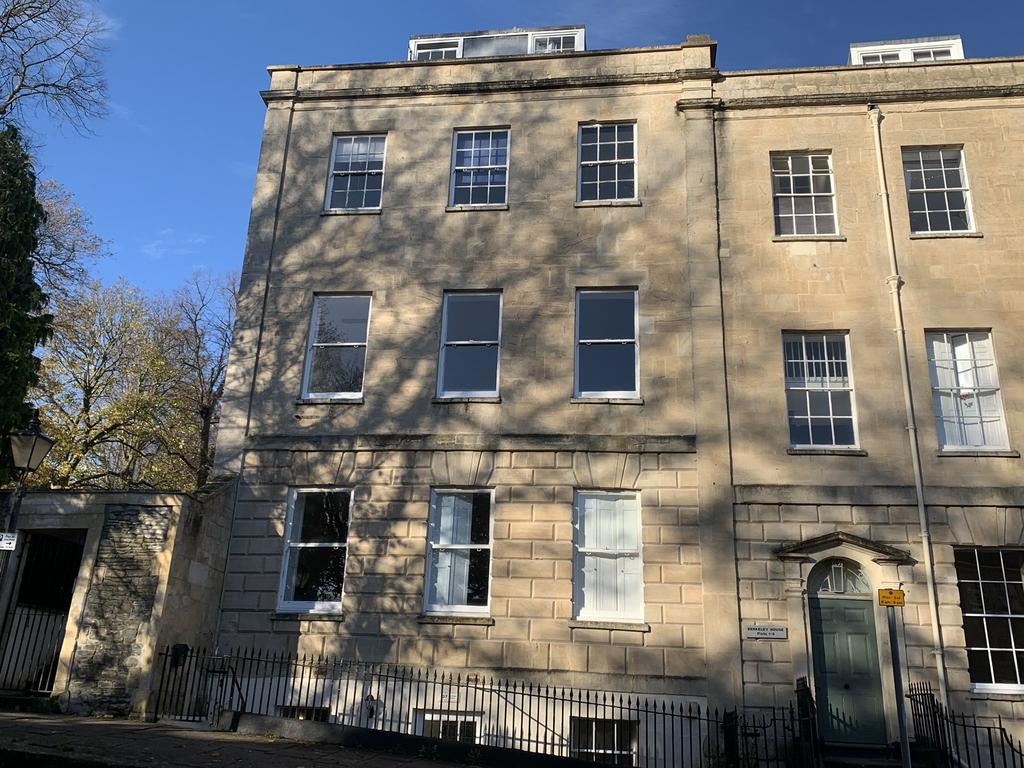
(50, 53)
(24, 323)
(130, 385)
(67, 245)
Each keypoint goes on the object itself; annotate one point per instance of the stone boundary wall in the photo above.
(113, 634)
(531, 592)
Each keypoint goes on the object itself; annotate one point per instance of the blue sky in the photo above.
(167, 177)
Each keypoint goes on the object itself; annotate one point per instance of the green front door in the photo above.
(847, 684)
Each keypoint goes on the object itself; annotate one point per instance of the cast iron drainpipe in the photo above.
(895, 283)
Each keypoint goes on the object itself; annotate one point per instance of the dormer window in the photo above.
(917, 49)
(509, 42)
(435, 51)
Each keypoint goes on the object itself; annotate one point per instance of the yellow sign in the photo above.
(893, 597)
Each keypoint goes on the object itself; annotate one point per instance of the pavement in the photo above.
(42, 741)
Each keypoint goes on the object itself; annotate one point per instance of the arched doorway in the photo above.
(844, 648)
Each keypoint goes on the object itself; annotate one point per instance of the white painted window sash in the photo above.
(827, 386)
(581, 391)
(626, 562)
(442, 390)
(597, 163)
(284, 601)
(814, 197)
(335, 145)
(915, 156)
(432, 604)
(964, 387)
(456, 168)
(313, 345)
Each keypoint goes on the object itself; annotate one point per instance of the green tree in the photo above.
(24, 322)
(130, 385)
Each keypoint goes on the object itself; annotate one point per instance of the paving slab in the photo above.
(61, 740)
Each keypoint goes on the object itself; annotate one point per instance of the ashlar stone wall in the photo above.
(530, 629)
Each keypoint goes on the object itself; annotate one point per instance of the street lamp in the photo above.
(28, 447)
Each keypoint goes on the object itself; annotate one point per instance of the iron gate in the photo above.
(33, 627)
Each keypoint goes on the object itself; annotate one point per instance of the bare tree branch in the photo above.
(50, 60)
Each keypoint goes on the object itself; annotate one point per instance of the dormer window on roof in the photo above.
(918, 49)
(508, 42)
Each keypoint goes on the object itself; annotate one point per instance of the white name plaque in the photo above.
(766, 632)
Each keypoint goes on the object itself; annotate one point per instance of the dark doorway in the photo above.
(32, 630)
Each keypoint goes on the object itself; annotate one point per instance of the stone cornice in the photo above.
(495, 86)
(847, 98)
(478, 442)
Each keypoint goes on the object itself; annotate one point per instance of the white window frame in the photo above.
(812, 195)
(311, 344)
(580, 163)
(331, 173)
(637, 615)
(965, 190)
(880, 57)
(455, 168)
(594, 752)
(442, 393)
(931, 54)
(850, 387)
(450, 42)
(996, 388)
(578, 34)
(447, 715)
(286, 605)
(983, 615)
(635, 341)
(437, 609)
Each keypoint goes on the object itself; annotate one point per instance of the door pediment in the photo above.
(808, 548)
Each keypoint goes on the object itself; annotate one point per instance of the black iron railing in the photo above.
(945, 739)
(653, 731)
(30, 641)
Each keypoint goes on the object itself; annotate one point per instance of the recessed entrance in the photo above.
(844, 648)
(32, 631)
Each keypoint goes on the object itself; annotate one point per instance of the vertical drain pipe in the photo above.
(895, 283)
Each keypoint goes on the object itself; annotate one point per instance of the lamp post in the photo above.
(28, 448)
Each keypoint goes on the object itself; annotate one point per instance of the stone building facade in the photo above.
(743, 512)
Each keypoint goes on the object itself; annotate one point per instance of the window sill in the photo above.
(329, 401)
(353, 212)
(942, 235)
(467, 208)
(607, 400)
(997, 691)
(809, 238)
(436, 618)
(306, 616)
(607, 204)
(826, 452)
(622, 626)
(996, 454)
(452, 400)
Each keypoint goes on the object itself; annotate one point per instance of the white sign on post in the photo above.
(8, 541)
